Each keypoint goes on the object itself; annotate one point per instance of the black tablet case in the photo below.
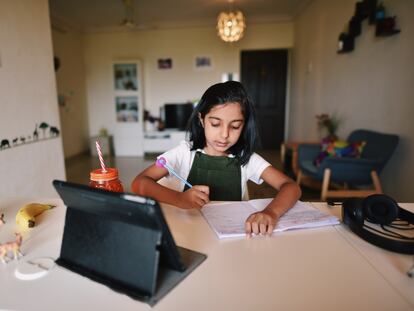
(123, 244)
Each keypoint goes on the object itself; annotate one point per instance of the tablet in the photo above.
(123, 241)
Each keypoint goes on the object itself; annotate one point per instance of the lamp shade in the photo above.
(231, 26)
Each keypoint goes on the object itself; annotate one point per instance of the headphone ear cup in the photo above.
(353, 212)
(380, 209)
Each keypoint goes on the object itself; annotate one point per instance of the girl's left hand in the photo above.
(261, 222)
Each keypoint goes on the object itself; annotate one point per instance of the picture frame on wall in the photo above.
(165, 63)
(126, 108)
(203, 62)
(125, 77)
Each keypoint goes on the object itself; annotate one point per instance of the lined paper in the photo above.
(227, 219)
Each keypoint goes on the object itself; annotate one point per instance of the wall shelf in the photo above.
(376, 14)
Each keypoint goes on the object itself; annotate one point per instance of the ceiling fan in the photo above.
(128, 20)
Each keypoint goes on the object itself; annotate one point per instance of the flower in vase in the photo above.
(329, 124)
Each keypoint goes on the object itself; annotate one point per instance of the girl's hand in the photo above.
(195, 197)
(261, 222)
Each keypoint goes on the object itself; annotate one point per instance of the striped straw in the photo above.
(98, 148)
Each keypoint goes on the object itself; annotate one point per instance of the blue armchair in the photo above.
(349, 174)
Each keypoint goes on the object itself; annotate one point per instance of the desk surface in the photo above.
(314, 269)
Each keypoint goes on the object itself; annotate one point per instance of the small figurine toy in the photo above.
(410, 272)
(2, 221)
(14, 247)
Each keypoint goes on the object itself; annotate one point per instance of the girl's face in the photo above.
(223, 125)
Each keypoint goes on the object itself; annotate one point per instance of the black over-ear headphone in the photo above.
(382, 210)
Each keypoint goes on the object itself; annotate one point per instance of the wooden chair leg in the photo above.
(325, 183)
(295, 162)
(376, 182)
(299, 177)
(346, 193)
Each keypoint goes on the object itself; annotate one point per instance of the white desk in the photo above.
(315, 269)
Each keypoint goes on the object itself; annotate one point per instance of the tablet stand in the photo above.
(120, 254)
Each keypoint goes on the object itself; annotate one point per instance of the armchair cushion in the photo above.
(339, 148)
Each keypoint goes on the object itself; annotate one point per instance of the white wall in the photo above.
(179, 84)
(70, 80)
(371, 87)
(27, 97)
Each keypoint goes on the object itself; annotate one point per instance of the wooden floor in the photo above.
(78, 168)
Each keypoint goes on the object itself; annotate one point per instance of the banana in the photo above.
(26, 216)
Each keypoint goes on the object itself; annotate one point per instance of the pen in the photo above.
(162, 162)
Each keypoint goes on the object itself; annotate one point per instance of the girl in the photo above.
(220, 159)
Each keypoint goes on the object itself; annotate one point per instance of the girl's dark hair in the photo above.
(218, 94)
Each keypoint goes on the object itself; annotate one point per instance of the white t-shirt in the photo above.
(181, 159)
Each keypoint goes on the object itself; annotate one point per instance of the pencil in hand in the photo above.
(161, 162)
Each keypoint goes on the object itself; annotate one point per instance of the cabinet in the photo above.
(161, 141)
(129, 106)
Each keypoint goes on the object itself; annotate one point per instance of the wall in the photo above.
(370, 87)
(28, 97)
(179, 84)
(70, 80)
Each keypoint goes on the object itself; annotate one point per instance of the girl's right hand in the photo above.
(195, 197)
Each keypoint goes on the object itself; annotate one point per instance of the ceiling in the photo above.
(107, 15)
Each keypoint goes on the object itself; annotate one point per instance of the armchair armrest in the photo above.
(308, 152)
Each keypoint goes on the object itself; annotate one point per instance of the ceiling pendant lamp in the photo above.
(231, 25)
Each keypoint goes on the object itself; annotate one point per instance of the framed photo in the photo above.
(203, 62)
(126, 108)
(165, 63)
(125, 77)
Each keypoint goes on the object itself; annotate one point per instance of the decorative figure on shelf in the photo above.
(54, 131)
(4, 144)
(23, 139)
(14, 247)
(410, 271)
(35, 134)
(43, 126)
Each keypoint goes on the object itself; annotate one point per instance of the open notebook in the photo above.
(227, 218)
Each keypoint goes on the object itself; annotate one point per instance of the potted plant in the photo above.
(329, 124)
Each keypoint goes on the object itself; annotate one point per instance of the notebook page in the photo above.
(228, 219)
(304, 215)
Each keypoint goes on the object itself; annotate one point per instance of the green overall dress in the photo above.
(222, 174)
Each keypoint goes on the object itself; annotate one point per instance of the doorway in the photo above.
(264, 75)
